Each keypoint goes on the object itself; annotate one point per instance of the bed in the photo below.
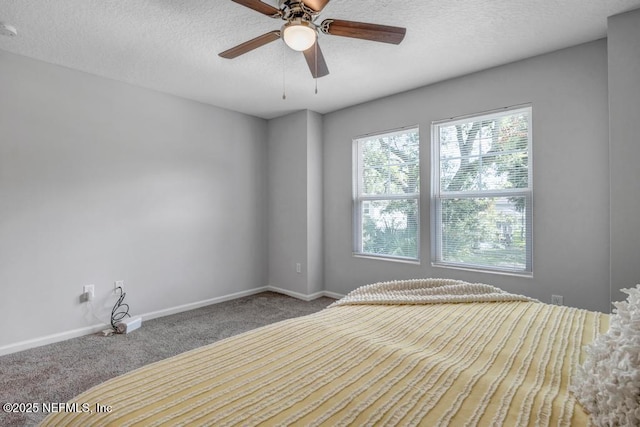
(419, 352)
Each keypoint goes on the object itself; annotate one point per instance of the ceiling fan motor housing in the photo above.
(293, 9)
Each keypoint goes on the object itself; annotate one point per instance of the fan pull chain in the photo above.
(284, 69)
(316, 74)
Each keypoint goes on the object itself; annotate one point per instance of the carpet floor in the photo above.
(60, 371)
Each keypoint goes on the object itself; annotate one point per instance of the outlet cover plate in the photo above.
(556, 300)
(118, 284)
(89, 289)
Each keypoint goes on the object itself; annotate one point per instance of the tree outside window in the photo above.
(386, 194)
(482, 193)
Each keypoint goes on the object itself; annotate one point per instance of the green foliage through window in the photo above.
(482, 191)
(386, 196)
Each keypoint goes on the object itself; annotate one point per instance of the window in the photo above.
(482, 193)
(387, 194)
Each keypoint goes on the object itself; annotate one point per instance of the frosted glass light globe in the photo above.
(299, 36)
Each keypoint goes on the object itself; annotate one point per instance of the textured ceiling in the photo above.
(172, 45)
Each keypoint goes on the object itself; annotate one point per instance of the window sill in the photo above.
(528, 275)
(413, 261)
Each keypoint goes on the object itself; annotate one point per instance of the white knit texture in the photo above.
(608, 382)
(427, 291)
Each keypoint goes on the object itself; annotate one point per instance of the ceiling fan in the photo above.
(300, 31)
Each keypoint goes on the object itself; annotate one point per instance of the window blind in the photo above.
(482, 192)
(386, 194)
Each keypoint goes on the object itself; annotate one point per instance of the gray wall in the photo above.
(315, 242)
(102, 181)
(624, 111)
(295, 203)
(568, 90)
(287, 177)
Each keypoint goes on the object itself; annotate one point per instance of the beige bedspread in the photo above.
(476, 363)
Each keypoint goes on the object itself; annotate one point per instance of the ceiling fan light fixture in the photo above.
(299, 35)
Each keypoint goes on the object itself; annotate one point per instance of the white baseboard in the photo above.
(332, 295)
(204, 303)
(304, 297)
(63, 336)
(50, 339)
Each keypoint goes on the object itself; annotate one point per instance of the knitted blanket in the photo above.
(427, 291)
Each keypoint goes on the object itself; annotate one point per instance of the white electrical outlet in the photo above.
(88, 292)
(298, 267)
(556, 300)
(118, 284)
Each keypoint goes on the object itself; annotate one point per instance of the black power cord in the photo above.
(119, 311)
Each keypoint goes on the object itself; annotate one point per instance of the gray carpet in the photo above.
(60, 371)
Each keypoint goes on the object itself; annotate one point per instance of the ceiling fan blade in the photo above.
(261, 7)
(250, 45)
(316, 5)
(318, 68)
(362, 30)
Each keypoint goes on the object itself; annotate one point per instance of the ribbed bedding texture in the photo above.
(477, 363)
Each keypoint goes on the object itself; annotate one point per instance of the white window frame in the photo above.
(359, 198)
(437, 195)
